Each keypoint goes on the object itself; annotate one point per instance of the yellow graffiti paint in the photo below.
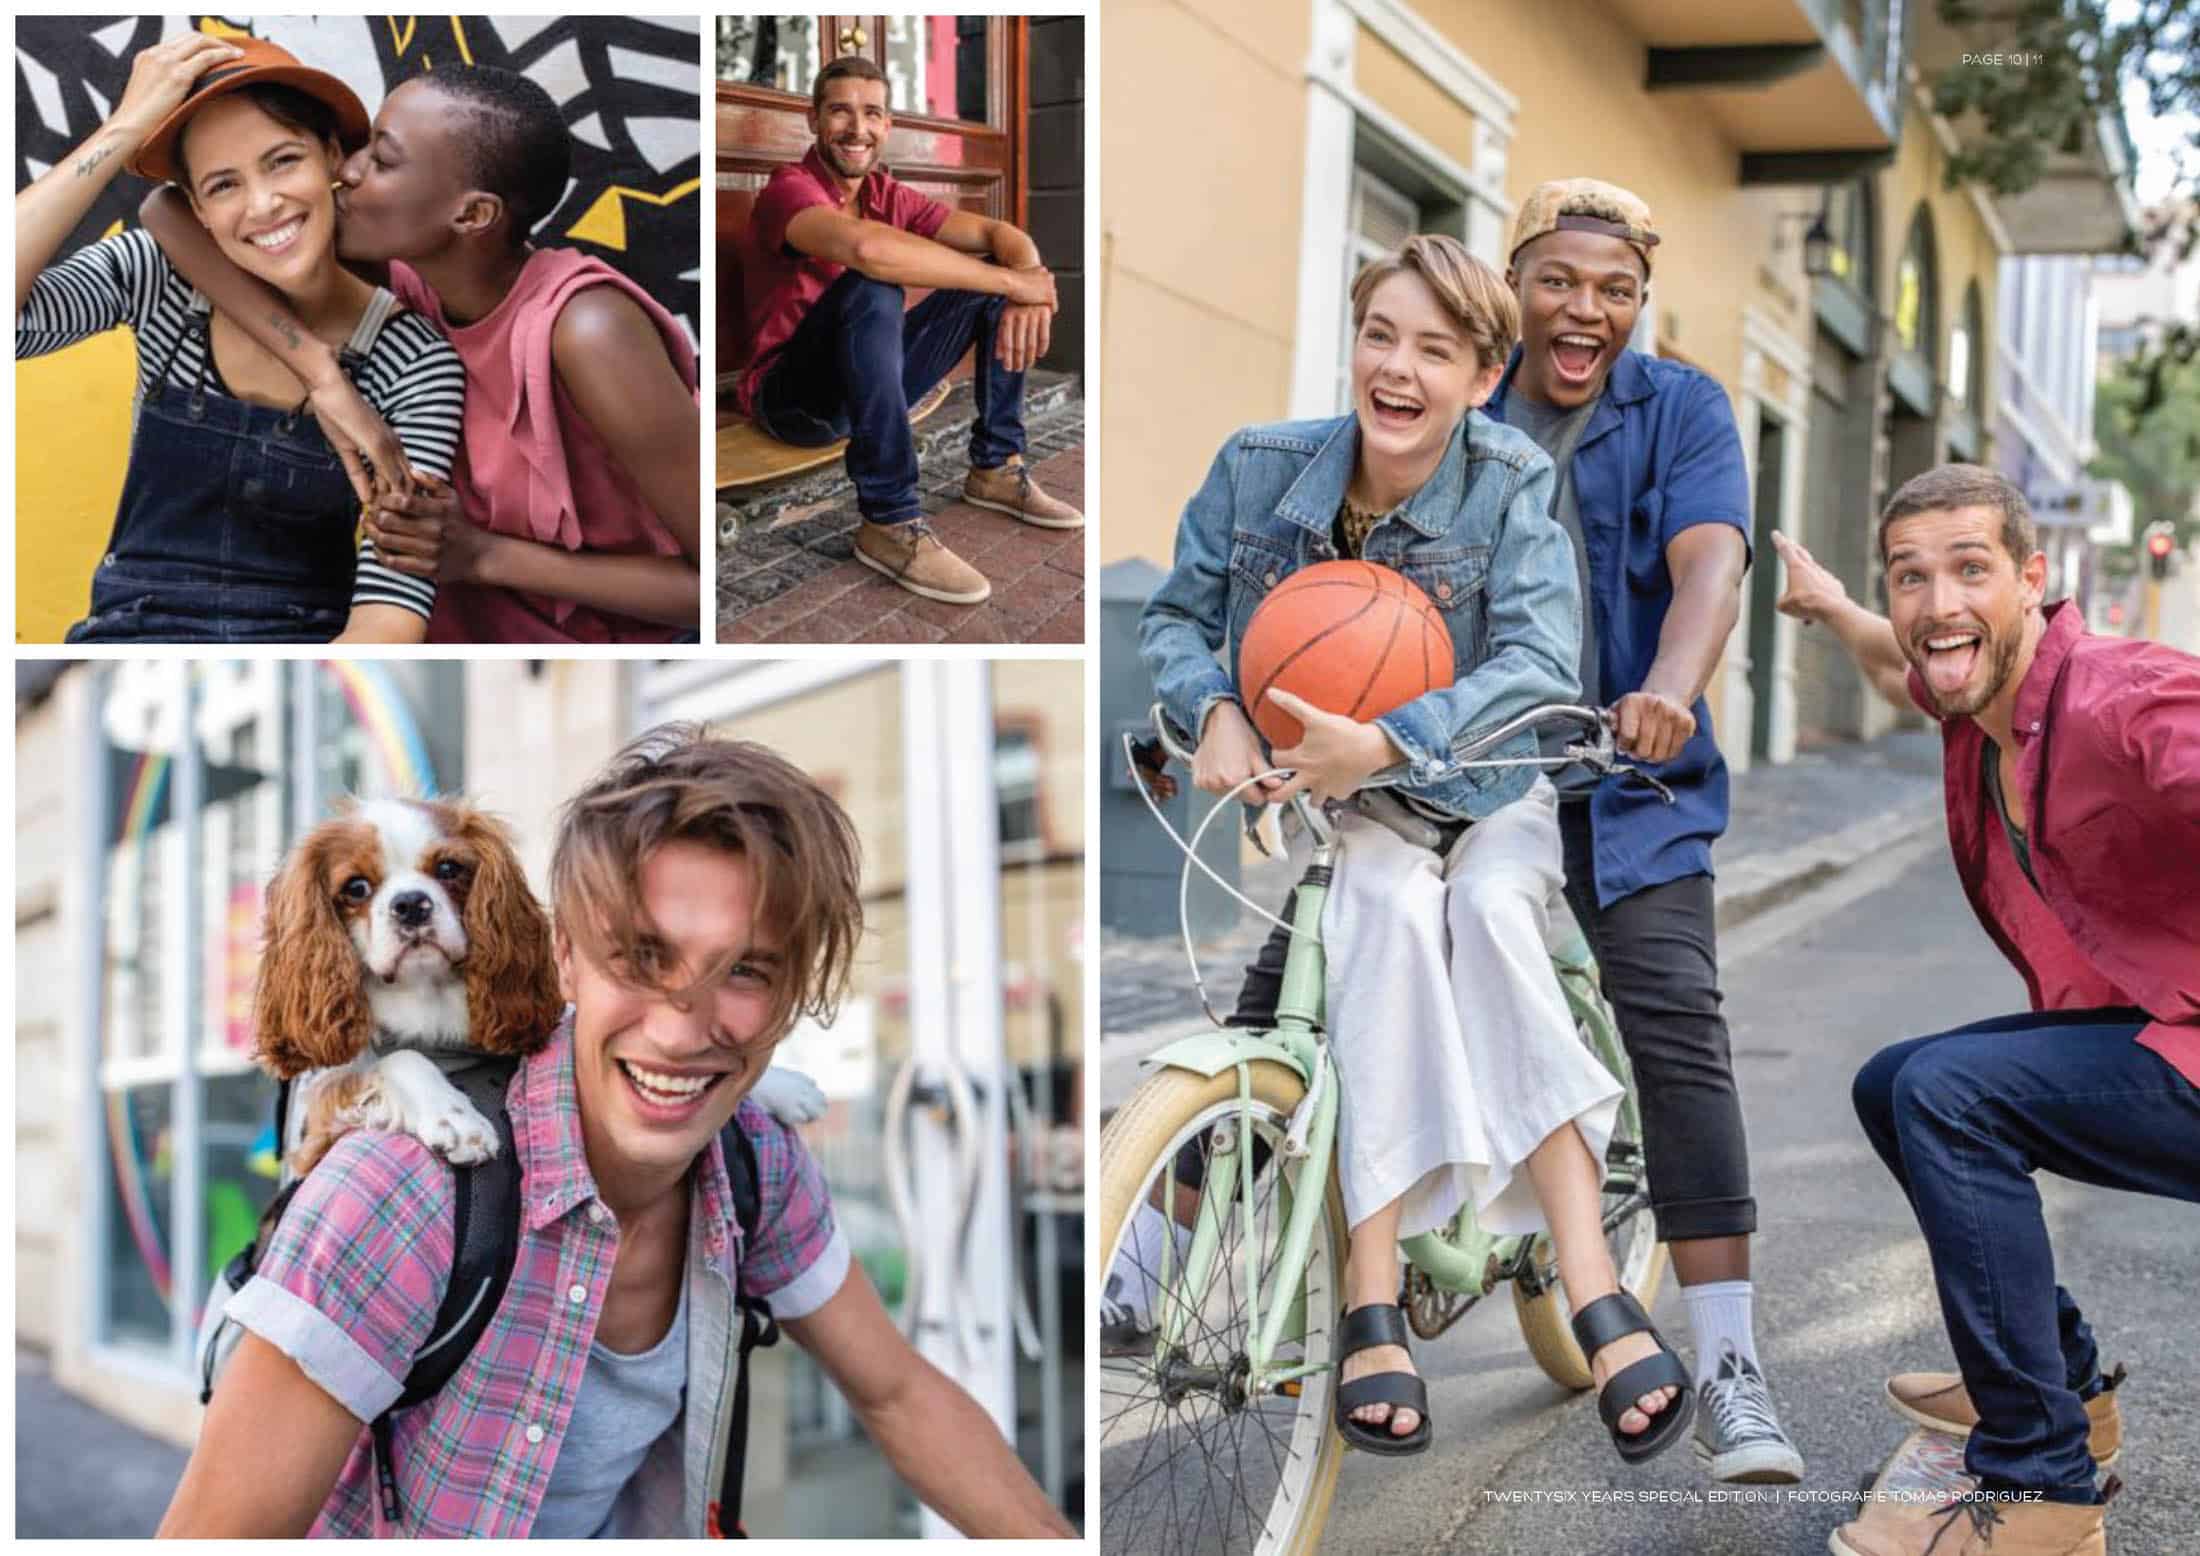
(72, 441)
(215, 27)
(458, 30)
(604, 222)
(403, 40)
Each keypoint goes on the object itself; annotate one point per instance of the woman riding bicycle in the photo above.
(1461, 1074)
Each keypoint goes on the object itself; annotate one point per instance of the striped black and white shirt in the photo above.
(411, 375)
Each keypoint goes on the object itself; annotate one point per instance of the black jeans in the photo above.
(1659, 961)
(1963, 1120)
(1658, 957)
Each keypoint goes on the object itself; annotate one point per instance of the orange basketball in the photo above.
(1348, 637)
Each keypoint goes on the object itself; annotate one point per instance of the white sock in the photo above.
(1719, 1316)
(1137, 1278)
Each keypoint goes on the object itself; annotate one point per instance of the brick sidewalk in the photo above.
(1038, 578)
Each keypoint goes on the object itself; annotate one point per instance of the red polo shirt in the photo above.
(778, 283)
(2108, 760)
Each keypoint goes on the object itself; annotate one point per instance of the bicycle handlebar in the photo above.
(1600, 755)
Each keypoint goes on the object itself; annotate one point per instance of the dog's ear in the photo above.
(310, 1010)
(512, 1000)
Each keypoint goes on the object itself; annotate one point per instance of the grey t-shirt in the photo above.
(624, 1405)
(1556, 429)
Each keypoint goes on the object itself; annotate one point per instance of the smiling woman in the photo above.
(236, 518)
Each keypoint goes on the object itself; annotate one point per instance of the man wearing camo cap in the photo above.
(1653, 491)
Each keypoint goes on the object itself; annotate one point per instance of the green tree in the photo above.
(2153, 452)
(2088, 52)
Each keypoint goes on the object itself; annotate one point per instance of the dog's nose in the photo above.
(412, 909)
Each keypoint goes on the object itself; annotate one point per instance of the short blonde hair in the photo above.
(1476, 297)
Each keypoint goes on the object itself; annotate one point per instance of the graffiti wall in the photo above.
(631, 92)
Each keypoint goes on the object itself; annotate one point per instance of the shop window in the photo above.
(199, 763)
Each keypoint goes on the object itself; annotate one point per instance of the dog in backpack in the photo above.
(396, 930)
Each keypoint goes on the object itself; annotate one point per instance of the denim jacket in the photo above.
(1478, 539)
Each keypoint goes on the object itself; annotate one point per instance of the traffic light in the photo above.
(2160, 543)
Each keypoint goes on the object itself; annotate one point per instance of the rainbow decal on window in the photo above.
(378, 705)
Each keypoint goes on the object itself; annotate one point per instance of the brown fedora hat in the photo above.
(263, 63)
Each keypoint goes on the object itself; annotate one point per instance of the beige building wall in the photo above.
(1202, 144)
(535, 732)
(1583, 114)
(1966, 244)
(1199, 273)
(46, 1083)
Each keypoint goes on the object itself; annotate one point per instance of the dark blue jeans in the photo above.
(1963, 1119)
(857, 362)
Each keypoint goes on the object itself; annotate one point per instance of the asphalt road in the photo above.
(1844, 1292)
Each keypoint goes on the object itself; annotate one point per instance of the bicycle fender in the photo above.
(1210, 1053)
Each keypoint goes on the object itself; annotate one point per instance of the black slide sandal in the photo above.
(1612, 1318)
(1362, 1329)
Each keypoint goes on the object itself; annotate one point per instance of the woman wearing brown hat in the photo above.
(237, 521)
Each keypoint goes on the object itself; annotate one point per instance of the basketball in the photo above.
(1348, 637)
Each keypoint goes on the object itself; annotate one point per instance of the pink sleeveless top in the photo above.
(530, 465)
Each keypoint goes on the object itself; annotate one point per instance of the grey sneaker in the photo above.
(1124, 1330)
(1738, 1435)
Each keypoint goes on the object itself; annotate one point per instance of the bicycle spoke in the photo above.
(1190, 1464)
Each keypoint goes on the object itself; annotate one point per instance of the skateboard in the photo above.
(1924, 1472)
(750, 456)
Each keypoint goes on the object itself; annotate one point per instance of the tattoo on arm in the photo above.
(280, 323)
(94, 159)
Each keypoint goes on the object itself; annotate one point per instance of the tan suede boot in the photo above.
(914, 557)
(1975, 1529)
(1010, 489)
(1939, 1400)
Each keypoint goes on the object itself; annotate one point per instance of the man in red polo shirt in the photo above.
(831, 354)
(2073, 790)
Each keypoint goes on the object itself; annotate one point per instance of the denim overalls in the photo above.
(237, 522)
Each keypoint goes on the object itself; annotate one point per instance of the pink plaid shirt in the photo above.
(352, 1278)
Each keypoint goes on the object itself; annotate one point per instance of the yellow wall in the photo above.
(72, 440)
(1961, 238)
(1200, 274)
(1202, 150)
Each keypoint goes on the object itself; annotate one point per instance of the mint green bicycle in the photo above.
(1216, 1192)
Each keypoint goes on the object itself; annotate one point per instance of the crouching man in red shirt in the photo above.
(2073, 790)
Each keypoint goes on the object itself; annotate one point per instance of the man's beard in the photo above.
(835, 161)
(1967, 704)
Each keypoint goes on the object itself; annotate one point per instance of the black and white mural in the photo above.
(630, 87)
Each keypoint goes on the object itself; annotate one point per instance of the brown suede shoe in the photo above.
(1940, 1401)
(913, 557)
(1973, 1529)
(1010, 489)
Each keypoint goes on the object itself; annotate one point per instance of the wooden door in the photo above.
(956, 85)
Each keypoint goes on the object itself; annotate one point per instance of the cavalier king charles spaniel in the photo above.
(396, 930)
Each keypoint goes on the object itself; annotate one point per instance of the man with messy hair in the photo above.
(573, 514)
(706, 895)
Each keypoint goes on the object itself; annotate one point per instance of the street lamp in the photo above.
(1817, 242)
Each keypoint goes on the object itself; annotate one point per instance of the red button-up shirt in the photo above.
(2108, 763)
(778, 283)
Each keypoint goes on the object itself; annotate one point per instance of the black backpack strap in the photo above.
(485, 1246)
(758, 1327)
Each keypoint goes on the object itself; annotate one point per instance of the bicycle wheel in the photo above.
(1188, 1461)
(1637, 1255)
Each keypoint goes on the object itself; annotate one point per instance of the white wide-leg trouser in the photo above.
(1452, 1040)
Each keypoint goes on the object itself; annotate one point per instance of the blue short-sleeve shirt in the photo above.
(1661, 453)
